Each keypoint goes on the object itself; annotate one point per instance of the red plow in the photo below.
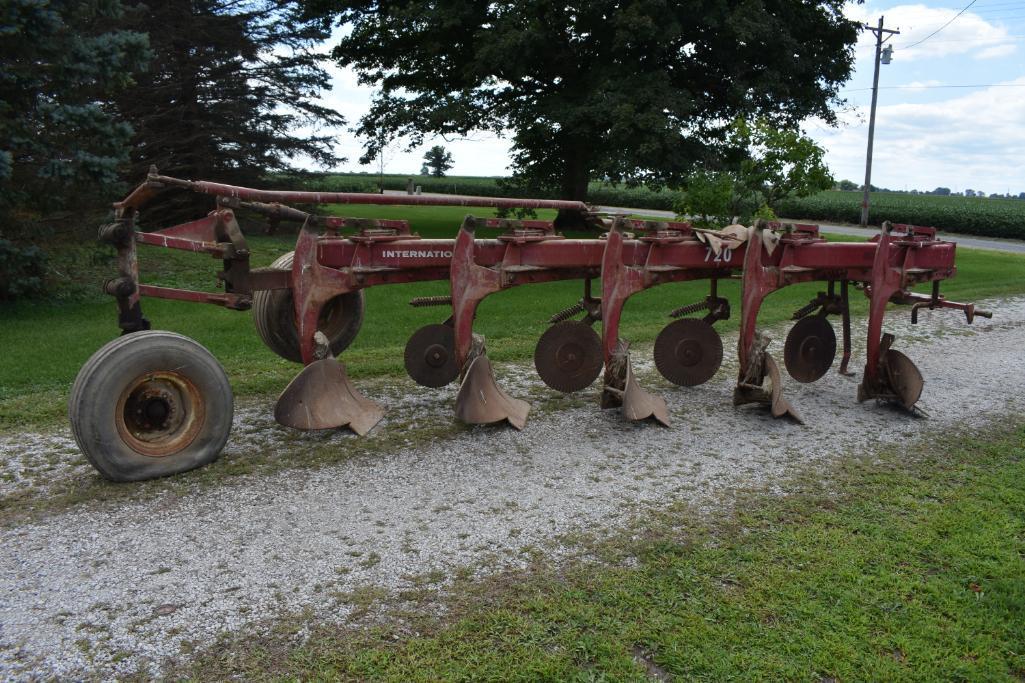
(154, 403)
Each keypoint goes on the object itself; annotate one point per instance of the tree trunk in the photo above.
(575, 177)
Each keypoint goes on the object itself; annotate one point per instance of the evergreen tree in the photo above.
(231, 93)
(59, 63)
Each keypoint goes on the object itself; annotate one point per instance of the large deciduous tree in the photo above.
(232, 92)
(438, 160)
(628, 90)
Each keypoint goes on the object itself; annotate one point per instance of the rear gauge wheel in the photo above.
(274, 315)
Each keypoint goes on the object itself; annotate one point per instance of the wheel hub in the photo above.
(160, 414)
(154, 408)
(688, 352)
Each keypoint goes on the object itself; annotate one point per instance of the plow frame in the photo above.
(336, 256)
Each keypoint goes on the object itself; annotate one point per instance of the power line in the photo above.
(930, 87)
(942, 27)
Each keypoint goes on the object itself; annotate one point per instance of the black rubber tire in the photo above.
(274, 315)
(98, 418)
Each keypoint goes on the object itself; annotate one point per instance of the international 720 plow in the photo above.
(153, 403)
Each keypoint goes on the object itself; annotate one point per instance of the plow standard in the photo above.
(154, 403)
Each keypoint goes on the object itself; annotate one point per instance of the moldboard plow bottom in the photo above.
(151, 403)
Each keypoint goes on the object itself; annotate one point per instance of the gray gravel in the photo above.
(106, 591)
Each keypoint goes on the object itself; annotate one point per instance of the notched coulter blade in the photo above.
(810, 349)
(322, 397)
(623, 390)
(568, 356)
(688, 352)
(430, 357)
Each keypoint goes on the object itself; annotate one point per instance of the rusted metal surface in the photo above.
(430, 356)
(810, 349)
(568, 356)
(481, 401)
(322, 397)
(622, 390)
(160, 414)
(688, 352)
(250, 194)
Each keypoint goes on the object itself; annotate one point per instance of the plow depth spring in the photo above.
(688, 309)
(423, 301)
(806, 310)
(567, 313)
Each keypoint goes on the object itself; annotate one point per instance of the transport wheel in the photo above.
(274, 315)
(150, 404)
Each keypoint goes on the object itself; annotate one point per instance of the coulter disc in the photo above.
(688, 352)
(810, 349)
(905, 378)
(568, 356)
(430, 356)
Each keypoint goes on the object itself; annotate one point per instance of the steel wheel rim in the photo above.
(160, 413)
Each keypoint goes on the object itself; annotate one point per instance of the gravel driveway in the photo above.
(113, 588)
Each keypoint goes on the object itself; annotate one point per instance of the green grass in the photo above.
(45, 344)
(904, 566)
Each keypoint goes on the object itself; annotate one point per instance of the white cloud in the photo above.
(974, 139)
(920, 85)
(968, 34)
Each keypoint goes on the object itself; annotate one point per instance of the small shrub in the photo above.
(21, 271)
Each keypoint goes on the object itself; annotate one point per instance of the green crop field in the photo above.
(969, 215)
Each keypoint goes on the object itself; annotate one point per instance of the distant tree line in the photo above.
(851, 186)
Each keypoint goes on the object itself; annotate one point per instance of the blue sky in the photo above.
(928, 134)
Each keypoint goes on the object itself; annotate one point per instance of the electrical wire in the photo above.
(942, 27)
(932, 87)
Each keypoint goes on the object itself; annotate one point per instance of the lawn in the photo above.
(898, 566)
(45, 344)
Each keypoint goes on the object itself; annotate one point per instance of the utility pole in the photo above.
(885, 58)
